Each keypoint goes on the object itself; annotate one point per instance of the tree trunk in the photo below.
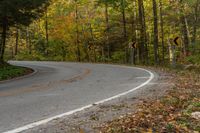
(46, 29)
(3, 44)
(124, 19)
(162, 31)
(28, 44)
(146, 52)
(107, 30)
(92, 35)
(86, 44)
(102, 54)
(184, 29)
(77, 35)
(155, 31)
(185, 35)
(142, 54)
(17, 41)
(134, 33)
(195, 23)
(124, 28)
(63, 53)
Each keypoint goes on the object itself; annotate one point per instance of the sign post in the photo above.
(172, 56)
(172, 49)
(132, 46)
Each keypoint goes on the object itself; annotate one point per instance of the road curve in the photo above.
(59, 87)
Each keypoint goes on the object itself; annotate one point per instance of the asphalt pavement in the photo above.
(58, 87)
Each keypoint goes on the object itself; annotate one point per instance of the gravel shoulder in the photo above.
(92, 119)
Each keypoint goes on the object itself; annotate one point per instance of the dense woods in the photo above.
(120, 31)
(160, 35)
(15, 13)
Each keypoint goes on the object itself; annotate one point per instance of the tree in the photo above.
(142, 42)
(184, 27)
(46, 29)
(17, 41)
(99, 30)
(122, 3)
(77, 32)
(196, 21)
(18, 12)
(155, 31)
(162, 29)
(106, 4)
(134, 32)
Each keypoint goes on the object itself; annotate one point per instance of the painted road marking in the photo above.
(42, 122)
(142, 77)
(44, 86)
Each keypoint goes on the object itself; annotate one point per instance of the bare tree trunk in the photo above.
(142, 43)
(155, 31)
(46, 29)
(195, 23)
(17, 41)
(107, 30)
(102, 53)
(92, 35)
(134, 34)
(124, 19)
(146, 52)
(124, 28)
(185, 35)
(1, 42)
(86, 45)
(4, 34)
(162, 30)
(27, 38)
(77, 35)
(63, 53)
(30, 43)
(184, 29)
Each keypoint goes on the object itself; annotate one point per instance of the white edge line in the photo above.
(38, 123)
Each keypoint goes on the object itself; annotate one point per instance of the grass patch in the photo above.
(9, 71)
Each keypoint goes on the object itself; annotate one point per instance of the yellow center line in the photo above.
(46, 86)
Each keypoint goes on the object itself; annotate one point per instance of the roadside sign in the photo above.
(133, 45)
(177, 41)
(89, 47)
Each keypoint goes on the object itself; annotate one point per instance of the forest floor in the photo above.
(8, 72)
(170, 104)
(177, 111)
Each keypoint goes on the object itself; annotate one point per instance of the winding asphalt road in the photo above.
(58, 87)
